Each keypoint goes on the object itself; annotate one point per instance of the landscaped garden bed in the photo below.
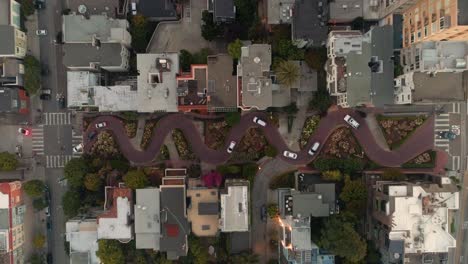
(130, 128)
(163, 153)
(251, 147)
(105, 146)
(342, 144)
(424, 160)
(397, 129)
(148, 133)
(310, 124)
(183, 148)
(215, 134)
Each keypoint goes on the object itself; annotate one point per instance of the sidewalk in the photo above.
(136, 141)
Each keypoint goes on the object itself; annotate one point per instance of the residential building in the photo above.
(253, 73)
(10, 13)
(174, 224)
(427, 88)
(112, 57)
(309, 23)
(115, 222)
(95, 29)
(222, 84)
(192, 89)
(82, 236)
(295, 211)
(11, 72)
(223, 11)
(12, 210)
(203, 211)
(360, 67)
(235, 206)
(13, 100)
(435, 57)
(412, 221)
(85, 92)
(158, 10)
(435, 20)
(157, 82)
(148, 219)
(345, 11)
(13, 42)
(280, 11)
(111, 8)
(389, 7)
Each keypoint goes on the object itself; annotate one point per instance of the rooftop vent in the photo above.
(82, 9)
(257, 60)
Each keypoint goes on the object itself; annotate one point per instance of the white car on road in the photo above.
(314, 148)
(351, 121)
(289, 154)
(41, 32)
(101, 125)
(78, 148)
(259, 121)
(231, 147)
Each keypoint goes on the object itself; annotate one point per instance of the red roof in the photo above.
(172, 230)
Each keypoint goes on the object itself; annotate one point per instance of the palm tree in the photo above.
(287, 73)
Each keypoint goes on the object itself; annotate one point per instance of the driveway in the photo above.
(421, 140)
(182, 34)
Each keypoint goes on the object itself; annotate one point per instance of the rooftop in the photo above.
(147, 218)
(81, 29)
(9, 100)
(442, 55)
(192, 87)
(444, 86)
(280, 11)
(310, 22)
(115, 222)
(254, 68)
(11, 71)
(157, 85)
(203, 211)
(158, 10)
(82, 236)
(83, 54)
(420, 218)
(10, 13)
(235, 207)
(111, 8)
(224, 10)
(222, 84)
(7, 34)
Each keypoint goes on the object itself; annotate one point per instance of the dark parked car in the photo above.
(447, 135)
(92, 135)
(62, 102)
(46, 94)
(49, 258)
(263, 213)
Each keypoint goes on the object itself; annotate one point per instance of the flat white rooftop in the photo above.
(118, 227)
(235, 209)
(82, 236)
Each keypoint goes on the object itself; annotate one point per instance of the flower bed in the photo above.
(148, 133)
(251, 147)
(397, 129)
(310, 124)
(164, 153)
(105, 146)
(131, 128)
(424, 160)
(183, 148)
(215, 134)
(342, 144)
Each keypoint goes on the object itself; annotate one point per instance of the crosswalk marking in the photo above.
(455, 163)
(456, 108)
(57, 161)
(57, 119)
(76, 140)
(442, 123)
(37, 135)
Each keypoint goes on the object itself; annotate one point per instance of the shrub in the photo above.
(273, 211)
(347, 166)
(249, 171)
(32, 74)
(34, 188)
(232, 118)
(285, 180)
(271, 151)
(332, 175)
(136, 179)
(39, 241)
(8, 161)
(393, 174)
(71, 203)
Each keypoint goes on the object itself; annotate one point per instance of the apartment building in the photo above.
(12, 210)
(235, 206)
(82, 236)
(13, 42)
(435, 20)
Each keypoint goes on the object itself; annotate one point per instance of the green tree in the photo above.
(271, 151)
(316, 58)
(199, 253)
(321, 101)
(285, 180)
(285, 49)
(32, 74)
(27, 7)
(354, 194)
(234, 49)
(341, 239)
(71, 203)
(139, 31)
(92, 182)
(8, 161)
(332, 175)
(245, 258)
(110, 252)
(209, 30)
(34, 188)
(232, 118)
(249, 171)
(186, 59)
(273, 211)
(75, 170)
(37, 258)
(136, 179)
(39, 204)
(393, 174)
(39, 241)
(291, 109)
(347, 166)
(287, 73)
(201, 57)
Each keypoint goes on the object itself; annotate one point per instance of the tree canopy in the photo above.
(321, 101)
(92, 182)
(34, 188)
(75, 170)
(232, 118)
(354, 194)
(39, 203)
(32, 74)
(39, 241)
(393, 174)
(110, 252)
(8, 161)
(71, 203)
(285, 49)
(199, 252)
(234, 49)
(332, 175)
(139, 31)
(287, 73)
(27, 7)
(341, 239)
(136, 179)
(347, 166)
(210, 30)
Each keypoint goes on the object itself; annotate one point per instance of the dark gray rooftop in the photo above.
(174, 223)
(305, 204)
(222, 87)
(4, 219)
(224, 10)
(443, 87)
(157, 9)
(81, 54)
(7, 35)
(306, 23)
(208, 208)
(462, 12)
(9, 100)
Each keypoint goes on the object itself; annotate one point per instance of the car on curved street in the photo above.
(289, 154)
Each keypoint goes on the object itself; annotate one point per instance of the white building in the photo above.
(148, 219)
(235, 207)
(82, 236)
(115, 222)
